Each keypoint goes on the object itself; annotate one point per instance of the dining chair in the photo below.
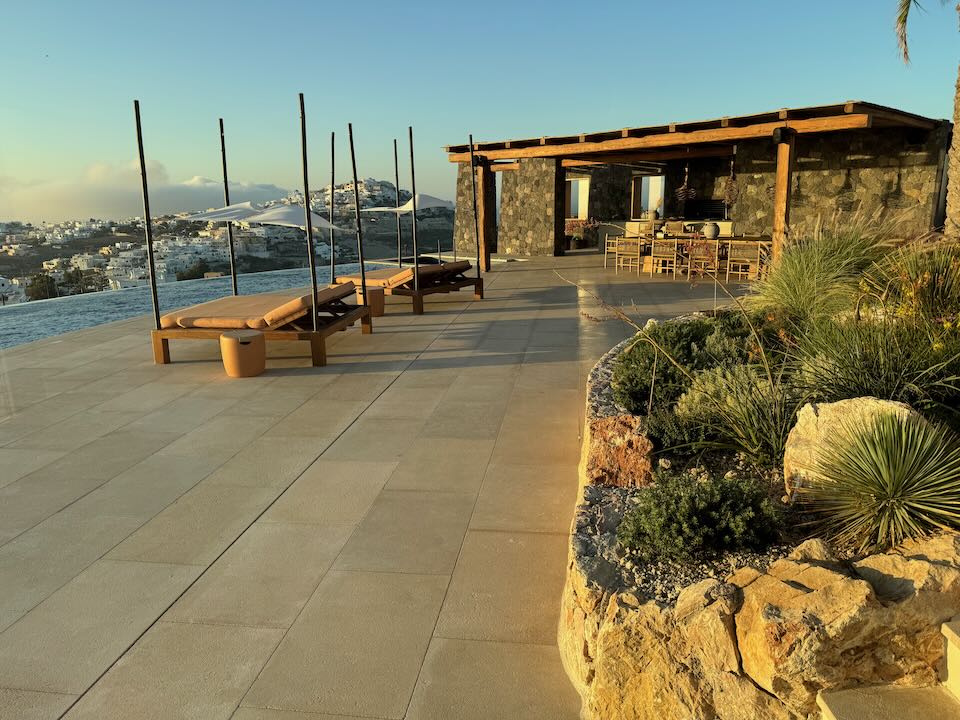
(663, 256)
(628, 253)
(704, 256)
(609, 247)
(743, 259)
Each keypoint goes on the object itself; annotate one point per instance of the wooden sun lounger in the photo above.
(439, 278)
(278, 315)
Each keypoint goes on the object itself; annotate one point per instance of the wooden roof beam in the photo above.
(677, 138)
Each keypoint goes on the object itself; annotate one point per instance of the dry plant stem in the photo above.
(653, 382)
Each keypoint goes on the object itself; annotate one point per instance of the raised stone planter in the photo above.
(755, 645)
(619, 453)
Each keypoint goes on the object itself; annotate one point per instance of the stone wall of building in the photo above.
(609, 197)
(464, 234)
(707, 177)
(531, 208)
(891, 172)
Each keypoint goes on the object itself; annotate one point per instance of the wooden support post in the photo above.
(785, 140)
(318, 349)
(161, 349)
(486, 213)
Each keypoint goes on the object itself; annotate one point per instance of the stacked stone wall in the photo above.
(531, 208)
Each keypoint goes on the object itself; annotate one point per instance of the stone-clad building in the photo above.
(770, 175)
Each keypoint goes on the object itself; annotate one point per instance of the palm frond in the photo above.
(903, 15)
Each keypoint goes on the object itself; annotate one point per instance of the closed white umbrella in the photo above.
(290, 216)
(424, 202)
(230, 213)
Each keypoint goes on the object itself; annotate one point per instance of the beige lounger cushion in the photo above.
(254, 312)
(384, 278)
(395, 277)
(451, 267)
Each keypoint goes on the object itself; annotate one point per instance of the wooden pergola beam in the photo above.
(676, 139)
(785, 140)
(656, 156)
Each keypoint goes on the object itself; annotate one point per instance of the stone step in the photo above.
(888, 702)
(951, 679)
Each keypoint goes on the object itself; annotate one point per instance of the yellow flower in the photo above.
(938, 345)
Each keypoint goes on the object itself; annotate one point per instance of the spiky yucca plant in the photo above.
(894, 479)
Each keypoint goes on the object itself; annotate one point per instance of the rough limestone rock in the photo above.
(620, 453)
(762, 644)
(820, 423)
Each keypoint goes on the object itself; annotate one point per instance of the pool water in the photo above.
(26, 322)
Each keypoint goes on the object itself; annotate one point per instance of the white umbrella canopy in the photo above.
(424, 202)
(290, 216)
(230, 213)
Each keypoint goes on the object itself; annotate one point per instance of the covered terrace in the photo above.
(758, 174)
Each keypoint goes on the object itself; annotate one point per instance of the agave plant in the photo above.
(894, 479)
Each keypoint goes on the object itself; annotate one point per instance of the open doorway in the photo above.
(647, 195)
(577, 196)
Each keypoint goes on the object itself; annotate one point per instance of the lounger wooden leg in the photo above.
(366, 324)
(478, 290)
(161, 349)
(418, 304)
(318, 350)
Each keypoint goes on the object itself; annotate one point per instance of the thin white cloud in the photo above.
(113, 191)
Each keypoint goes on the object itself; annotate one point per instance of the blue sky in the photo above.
(496, 69)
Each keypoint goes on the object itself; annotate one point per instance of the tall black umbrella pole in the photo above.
(413, 202)
(396, 180)
(226, 201)
(333, 190)
(356, 205)
(311, 255)
(147, 226)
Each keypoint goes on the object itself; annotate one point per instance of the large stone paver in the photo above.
(180, 670)
(357, 647)
(470, 680)
(329, 528)
(27, 705)
(63, 645)
(506, 587)
(409, 531)
(265, 578)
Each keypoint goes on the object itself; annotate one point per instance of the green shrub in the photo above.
(679, 518)
(897, 478)
(676, 435)
(695, 344)
(920, 281)
(819, 275)
(888, 358)
(743, 408)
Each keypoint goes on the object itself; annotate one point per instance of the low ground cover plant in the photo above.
(681, 518)
(743, 409)
(662, 363)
